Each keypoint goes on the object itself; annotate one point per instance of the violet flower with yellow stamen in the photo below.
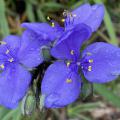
(17, 56)
(99, 63)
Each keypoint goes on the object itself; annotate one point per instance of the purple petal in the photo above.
(12, 43)
(89, 15)
(8, 49)
(30, 53)
(14, 82)
(95, 19)
(79, 15)
(58, 91)
(71, 41)
(106, 62)
(43, 30)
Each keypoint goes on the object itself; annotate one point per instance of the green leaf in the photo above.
(52, 5)
(10, 115)
(79, 108)
(41, 15)
(109, 26)
(3, 20)
(107, 94)
(29, 11)
(76, 5)
(3, 112)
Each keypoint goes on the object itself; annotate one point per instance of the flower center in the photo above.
(86, 63)
(11, 59)
(7, 51)
(68, 80)
(69, 18)
(9, 55)
(2, 66)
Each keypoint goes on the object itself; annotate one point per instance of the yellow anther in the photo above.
(62, 20)
(48, 18)
(68, 64)
(3, 42)
(90, 68)
(2, 66)
(7, 51)
(53, 24)
(72, 52)
(91, 61)
(11, 60)
(69, 80)
(74, 15)
(88, 53)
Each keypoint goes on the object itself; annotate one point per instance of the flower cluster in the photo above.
(61, 84)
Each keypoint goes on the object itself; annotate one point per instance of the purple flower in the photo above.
(99, 63)
(42, 32)
(87, 14)
(61, 84)
(17, 55)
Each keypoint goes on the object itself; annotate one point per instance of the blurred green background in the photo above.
(99, 102)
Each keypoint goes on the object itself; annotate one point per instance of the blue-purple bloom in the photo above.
(87, 14)
(45, 33)
(17, 55)
(42, 32)
(99, 62)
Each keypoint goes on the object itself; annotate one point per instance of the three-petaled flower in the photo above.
(99, 62)
(17, 55)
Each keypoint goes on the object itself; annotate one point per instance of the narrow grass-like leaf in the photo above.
(107, 94)
(52, 5)
(41, 15)
(10, 115)
(83, 107)
(29, 11)
(76, 4)
(3, 112)
(3, 21)
(109, 26)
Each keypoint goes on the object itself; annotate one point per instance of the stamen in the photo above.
(78, 63)
(74, 15)
(2, 66)
(53, 24)
(72, 52)
(48, 18)
(65, 13)
(68, 64)
(62, 20)
(88, 53)
(91, 61)
(69, 80)
(7, 51)
(11, 60)
(89, 68)
(3, 42)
